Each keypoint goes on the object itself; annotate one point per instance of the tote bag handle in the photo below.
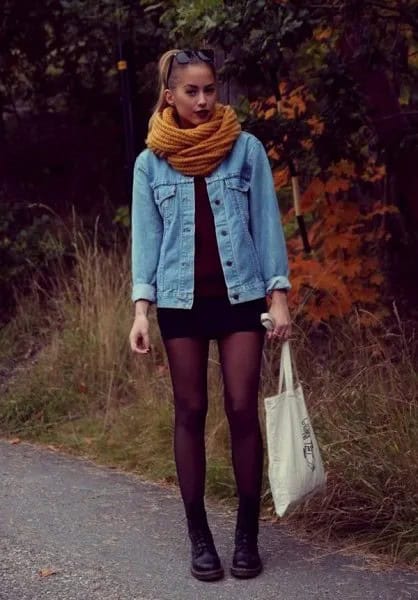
(287, 365)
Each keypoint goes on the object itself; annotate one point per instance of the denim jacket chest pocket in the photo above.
(237, 189)
(164, 197)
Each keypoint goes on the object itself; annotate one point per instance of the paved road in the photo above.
(111, 536)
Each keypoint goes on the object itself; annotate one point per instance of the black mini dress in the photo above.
(211, 318)
(212, 315)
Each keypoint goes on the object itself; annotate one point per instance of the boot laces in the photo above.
(201, 540)
(245, 541)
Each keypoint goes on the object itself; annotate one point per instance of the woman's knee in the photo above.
(190, 415)
(242, 418)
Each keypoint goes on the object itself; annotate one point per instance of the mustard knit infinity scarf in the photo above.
(198, 150)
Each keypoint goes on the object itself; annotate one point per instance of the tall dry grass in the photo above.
(361, 388)
(80, 387)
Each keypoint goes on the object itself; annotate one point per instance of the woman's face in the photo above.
(194, 95)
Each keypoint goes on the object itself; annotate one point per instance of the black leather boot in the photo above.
(246, 562)
(206, 565)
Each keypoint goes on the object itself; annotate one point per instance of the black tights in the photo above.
(240, 357)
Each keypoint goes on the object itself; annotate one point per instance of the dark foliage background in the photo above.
(62, 137)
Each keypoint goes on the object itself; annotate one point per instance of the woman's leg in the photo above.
(240, 356)
(188, 361)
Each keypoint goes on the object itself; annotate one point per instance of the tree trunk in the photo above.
(391, 126)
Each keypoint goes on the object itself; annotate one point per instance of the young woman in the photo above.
(207, 248)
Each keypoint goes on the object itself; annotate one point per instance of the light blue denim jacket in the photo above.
(247, 223)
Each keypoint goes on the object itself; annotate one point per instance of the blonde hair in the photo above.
(163, 66)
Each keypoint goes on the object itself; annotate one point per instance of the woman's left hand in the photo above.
(279, 310)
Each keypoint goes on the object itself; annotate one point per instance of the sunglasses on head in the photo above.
(184, 57)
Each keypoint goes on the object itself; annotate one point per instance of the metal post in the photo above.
(295, 179)
(128, 126)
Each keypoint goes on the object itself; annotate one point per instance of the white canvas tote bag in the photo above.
(295, 467)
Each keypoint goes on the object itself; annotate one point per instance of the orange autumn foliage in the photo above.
(316, 125)
(343, 270)
(322, 33)
(281, 177)
(293, 101)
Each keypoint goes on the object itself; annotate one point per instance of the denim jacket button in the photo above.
(217, 202)
(229, 263)
(235, 296)
(224, 232)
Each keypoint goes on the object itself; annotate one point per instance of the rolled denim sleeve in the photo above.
(265, 222)
(147, 231)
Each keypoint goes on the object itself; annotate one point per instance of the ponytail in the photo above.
(163, 64)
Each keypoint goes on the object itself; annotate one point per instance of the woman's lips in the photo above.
(202, 113)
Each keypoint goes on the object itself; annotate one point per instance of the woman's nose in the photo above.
(202, 100)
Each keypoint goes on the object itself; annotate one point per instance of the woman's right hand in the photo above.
(139, 335)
